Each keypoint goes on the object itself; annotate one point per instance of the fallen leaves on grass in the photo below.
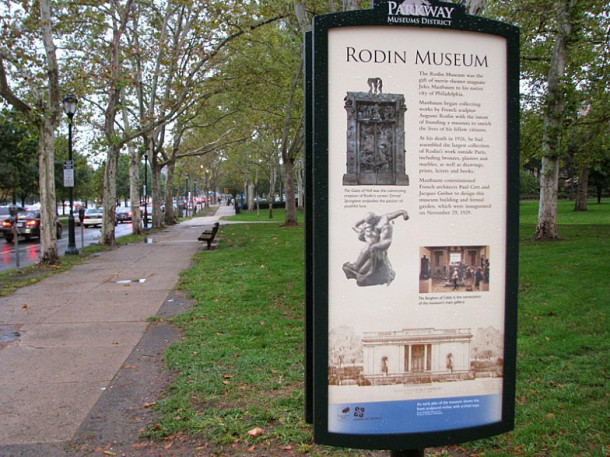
(256, 432)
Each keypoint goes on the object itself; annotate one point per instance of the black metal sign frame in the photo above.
(415, 368)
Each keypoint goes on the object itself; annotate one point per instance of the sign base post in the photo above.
(408, 453)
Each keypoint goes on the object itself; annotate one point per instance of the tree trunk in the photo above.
(110, 114)
(474, 7)
(250, 196)
(46, 153)
(170, 214)
(291, 209)
(272, 182)
(134, 190)
(46, 178)
(553, 122)
(300, 189)
(109, 196)
(583, 190)
(157, 219)
(134, 176)
(547, 212)
(350, 5)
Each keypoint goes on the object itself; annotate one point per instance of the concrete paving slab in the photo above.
(45, 413)
(28, 310)
(79, 335)
(30, 366)
(111, 307)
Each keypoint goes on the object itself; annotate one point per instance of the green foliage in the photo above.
(18, 156)
(528, 184)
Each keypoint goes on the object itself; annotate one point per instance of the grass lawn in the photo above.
(240, 363)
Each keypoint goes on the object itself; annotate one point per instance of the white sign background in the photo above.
(399, 305)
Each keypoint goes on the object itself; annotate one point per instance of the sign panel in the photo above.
(68, 173)
(415, 137)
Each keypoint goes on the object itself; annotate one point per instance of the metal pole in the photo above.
(16, 235)
(82, 235)
(186, 196)
(145, 191)
(71, 249)
(408, 453)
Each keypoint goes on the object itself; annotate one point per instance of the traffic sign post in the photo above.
(68, 173)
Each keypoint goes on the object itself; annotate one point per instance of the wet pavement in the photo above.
(64, 339)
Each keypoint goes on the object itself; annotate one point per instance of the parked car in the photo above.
(123, 214)
(95, 216)
(5, 213)
(28, 225)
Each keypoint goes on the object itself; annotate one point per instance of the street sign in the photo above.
(69, 173)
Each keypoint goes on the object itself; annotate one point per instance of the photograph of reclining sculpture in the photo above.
(414, 356)
(372, 267)
(453, 269)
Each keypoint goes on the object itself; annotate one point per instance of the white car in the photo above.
(95, 216)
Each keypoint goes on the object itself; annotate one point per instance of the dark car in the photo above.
(123, 214)
(28, 226)
(5, 213)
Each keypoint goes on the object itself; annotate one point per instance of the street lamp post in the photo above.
(69, 103)
(145, 191)
(186, 196)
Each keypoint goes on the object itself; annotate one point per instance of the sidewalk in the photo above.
(64, 339)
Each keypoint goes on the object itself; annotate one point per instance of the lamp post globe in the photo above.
(70, 102)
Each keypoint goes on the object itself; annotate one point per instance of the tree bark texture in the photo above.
(291, 210)
(134, 190)
(46, 178)
(170, 214)
(47, 124)
(546, 227)
(583, 190)
(114, 143)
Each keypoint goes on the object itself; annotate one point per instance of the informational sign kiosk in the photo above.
(413, 141)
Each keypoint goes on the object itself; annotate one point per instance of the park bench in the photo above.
(209, 235)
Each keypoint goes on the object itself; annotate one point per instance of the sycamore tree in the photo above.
(142, 67)
(30, 82)
(197, 140)
(265, 71)
(180, 45)
(564, 46)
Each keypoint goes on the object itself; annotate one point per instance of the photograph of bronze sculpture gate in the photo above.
(375, 137)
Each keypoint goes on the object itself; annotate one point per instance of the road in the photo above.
(29, 251)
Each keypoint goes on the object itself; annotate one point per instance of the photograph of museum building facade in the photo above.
(417, 356)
